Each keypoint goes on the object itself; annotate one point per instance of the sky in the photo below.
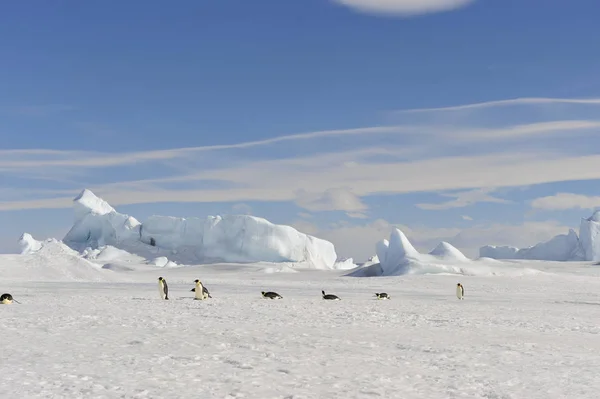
(471, 121)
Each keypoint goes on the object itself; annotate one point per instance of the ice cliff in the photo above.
(228, 238)
(563, 247)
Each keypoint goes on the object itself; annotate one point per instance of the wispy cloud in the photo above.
(317, 170)
(404, 8)
(500, 103)
(563, 201)
(463, 199)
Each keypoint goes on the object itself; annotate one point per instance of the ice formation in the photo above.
(228, 238)
(563, 247)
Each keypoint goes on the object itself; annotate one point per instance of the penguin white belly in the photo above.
(459, 292)
(199, 292)
(161, 290)
(6, 301)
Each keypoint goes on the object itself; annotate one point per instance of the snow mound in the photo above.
(398, 257)
(445, 250)
(29, 244)
(163, 261)
(589, 236)
(50, 260)
(229, 238)
(562, 248)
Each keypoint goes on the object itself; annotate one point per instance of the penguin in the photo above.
(382, 295)
(6, 299)
(460, 291)
(271, 295)
(163, 289)
(330, 296)
(204, 290)
(201, 291)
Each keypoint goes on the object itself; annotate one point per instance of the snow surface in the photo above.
(85, 331)
(228, 238)
(563, 247)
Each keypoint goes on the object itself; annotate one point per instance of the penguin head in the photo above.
(262, 293)
(196, 281)
(459, 285)
(160, 279)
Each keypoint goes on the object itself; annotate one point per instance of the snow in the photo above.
(29, 244)
(445, 250)
(91, 324)
(397, 256)
(227, 238)
(589, 231)
(534, 336)
(563, 247)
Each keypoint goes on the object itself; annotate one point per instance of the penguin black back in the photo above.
(330, 297)
(6, 299)
(382, 295)
(271, 295)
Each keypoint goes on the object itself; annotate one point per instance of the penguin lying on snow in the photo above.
(271, 295)
(7, 299)
(330, 296)
(163, 288)
(200, 290)
(382, 295)
(460, 291)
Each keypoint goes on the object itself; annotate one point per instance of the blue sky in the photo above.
(476, 122)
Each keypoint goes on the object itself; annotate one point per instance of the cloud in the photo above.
(463, 199)
(466, 217)
(332, 199)
(403, 8)
(509, 102)
(562, 201)
(317, 170)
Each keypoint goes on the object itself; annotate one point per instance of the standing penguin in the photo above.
(460, 291)
(200, 291)
(163, 288)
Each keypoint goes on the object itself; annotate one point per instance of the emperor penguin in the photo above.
(382, 295)
(460, 291)
(163, 288)
(200, 291)
(271, 295)
(330, 297)
(6, 299)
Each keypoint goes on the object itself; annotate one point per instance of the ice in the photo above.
(228, 238)
(446, 251)
(563, 247)
(29, 244)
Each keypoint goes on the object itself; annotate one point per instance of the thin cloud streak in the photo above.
(500, 103)
(255, 183)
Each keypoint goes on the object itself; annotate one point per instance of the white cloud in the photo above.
(467, 217)
(463, 199)
(403, 7)
(326, 176)
(332, 199)
(515, 101)
(562, 201)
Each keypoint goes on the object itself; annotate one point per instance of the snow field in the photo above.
(526, 337)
